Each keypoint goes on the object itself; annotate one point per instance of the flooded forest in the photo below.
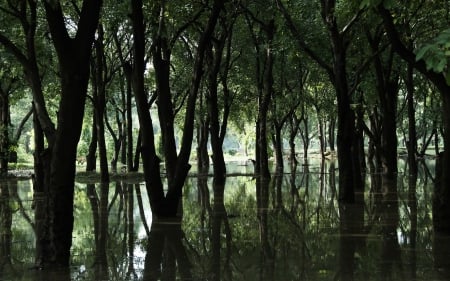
(224, 140)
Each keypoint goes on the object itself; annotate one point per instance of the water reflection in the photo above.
(288, 228)
(166, 253)
(5, 229)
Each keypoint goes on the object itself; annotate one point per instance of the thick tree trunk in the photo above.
(389, 129)
(74, 56)
(71, 111)
(348, 152)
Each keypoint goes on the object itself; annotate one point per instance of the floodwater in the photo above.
(291, 228)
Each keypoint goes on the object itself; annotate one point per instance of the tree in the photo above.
(437, 75)
(74, 55)
(262, 31)
(340, 38)
(219, 50)
(177, 166)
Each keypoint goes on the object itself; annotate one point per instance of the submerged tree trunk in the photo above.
(74, 56)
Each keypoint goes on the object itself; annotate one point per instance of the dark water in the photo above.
(292, 228)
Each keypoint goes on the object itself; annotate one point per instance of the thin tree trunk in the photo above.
(265, 102)
(411, 144)
(100, 101)
(214, 58)
(91, 157)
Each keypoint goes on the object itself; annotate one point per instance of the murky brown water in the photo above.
(292, 228)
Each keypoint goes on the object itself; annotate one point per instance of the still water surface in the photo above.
(292, 228)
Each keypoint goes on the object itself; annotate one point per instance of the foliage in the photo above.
(437, 54)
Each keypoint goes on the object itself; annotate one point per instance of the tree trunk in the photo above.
(305, 138)
(73, 56)
(411, 144)
(6, 219)
(348, 153)
(331, 133)
(129, 126)
(147, 149)
(40, 191)
(294, 127)
(100, 102)
(4, 137)
(389, 129)
(214, 58)
(91, 157)
(202, 147)
(265, 101)
(278, 145)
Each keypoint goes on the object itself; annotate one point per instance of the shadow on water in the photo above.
(290, 227)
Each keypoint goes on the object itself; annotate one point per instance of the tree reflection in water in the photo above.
(5, 229)
(289, 228)
(166, 252)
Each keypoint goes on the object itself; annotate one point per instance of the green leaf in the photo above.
(421, 53)
(439, 67)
